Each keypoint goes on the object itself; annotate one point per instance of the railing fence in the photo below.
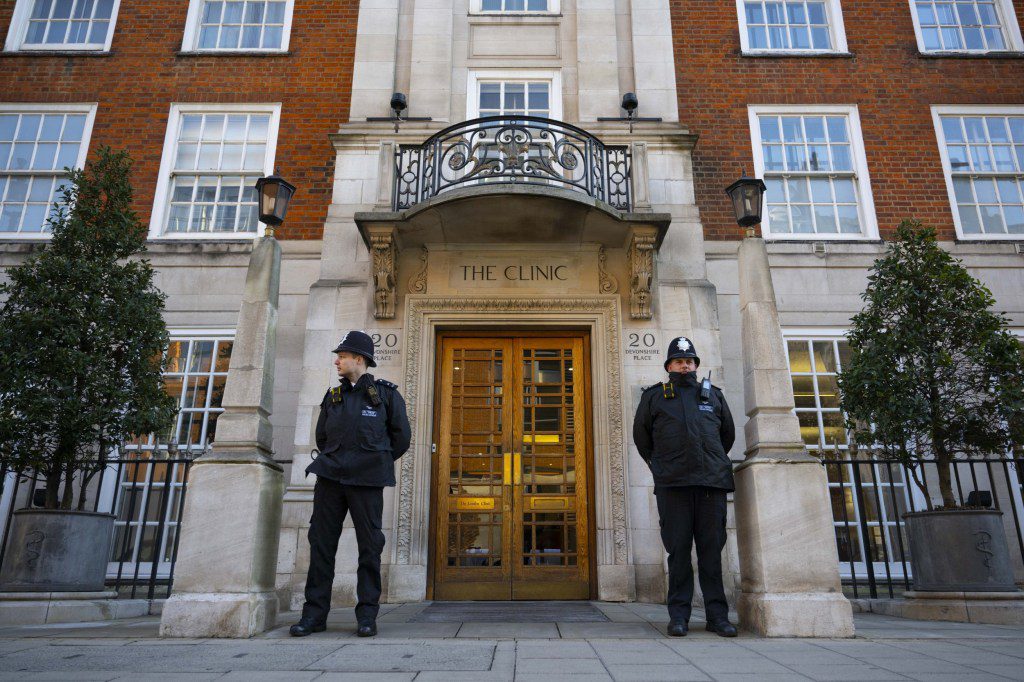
(145, 490)
(870, 495)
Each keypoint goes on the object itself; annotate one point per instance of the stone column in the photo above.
(789, 568)
(224, 578)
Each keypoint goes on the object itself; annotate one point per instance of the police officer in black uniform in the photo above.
(684, 430)
(361, 431)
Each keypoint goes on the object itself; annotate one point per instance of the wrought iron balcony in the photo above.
(512, 149)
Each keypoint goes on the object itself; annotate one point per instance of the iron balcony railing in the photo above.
(513, 149)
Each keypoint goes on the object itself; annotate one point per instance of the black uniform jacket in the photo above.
(358, 441)
(683, 440)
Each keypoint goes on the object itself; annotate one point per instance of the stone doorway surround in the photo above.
(425, 316)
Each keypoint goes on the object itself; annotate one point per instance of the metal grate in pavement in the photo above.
(510, 612)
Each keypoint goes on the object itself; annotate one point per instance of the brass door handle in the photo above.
(512, 473)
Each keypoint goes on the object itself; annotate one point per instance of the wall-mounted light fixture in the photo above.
(629, 104)
(399, 103)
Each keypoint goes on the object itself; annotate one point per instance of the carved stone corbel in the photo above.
(418, 282)
(608, 283)
(641, 274)
(382, 247)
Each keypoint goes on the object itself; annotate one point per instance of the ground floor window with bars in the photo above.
(147, 484)
(868, 498)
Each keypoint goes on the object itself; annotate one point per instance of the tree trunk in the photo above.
(69, 487)
(945, 480)
(52, 488)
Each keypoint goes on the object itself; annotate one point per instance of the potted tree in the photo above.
(936, 377)
(81, 341)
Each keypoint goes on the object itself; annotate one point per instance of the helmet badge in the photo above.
(682, 343)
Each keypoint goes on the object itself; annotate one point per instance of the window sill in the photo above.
(1003, 54)
(829, 239)
(56, 53)
(233, 53)
(797, 55)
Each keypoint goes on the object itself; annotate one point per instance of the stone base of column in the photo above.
(219, 615)
(796, 614)
(406, 583)
(790, 574)
(616, 582)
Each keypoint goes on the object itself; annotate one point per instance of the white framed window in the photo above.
(237, 25)
(813, 164)
(800, 26)
(982, 150)
(966, 26)
(213, 155)
(86, 25)
(514, 6)
(525, 93)
(37, 141)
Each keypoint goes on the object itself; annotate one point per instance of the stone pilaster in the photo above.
(789, 569)
(224, 578)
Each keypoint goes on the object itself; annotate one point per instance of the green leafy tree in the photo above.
(82, 337)
(934, 375)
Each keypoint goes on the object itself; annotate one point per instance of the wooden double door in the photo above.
(511, 430)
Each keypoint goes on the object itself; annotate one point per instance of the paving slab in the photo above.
(364, 677)
(607, 630)
(524, 631)
(566, 666)
(656, 673)
(408, 657)
(554, 649)
(650, 652)
(842, 673)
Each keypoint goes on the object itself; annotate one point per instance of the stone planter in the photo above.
(959, 551)
(54, 550)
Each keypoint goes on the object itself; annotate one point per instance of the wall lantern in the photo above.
(398, 105)
(630, 103)
(747, 194)
(275, 193)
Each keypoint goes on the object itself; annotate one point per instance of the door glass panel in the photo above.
(474, 540)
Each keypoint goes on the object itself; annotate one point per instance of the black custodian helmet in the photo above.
(357, 342)
(681, 347)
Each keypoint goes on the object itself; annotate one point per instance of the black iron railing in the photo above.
(870, 496)
(516, 149)
(145, 490)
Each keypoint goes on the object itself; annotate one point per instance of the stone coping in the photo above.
(56, 596)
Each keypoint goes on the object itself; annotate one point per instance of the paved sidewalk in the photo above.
(630, 645)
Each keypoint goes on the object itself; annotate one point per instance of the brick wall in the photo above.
(892, 85)
(143, 74)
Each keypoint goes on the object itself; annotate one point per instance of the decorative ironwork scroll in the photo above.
(517, 149)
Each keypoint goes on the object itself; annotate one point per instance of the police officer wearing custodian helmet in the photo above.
(684, 430)
(361, 431)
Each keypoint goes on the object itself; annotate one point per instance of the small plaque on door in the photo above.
(472, 503)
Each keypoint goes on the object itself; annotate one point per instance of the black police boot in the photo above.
(367, 629)
(306, 627)
(722, 627)
(678, 628)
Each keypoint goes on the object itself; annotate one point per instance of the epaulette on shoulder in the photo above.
(657, 385)
(385, 382)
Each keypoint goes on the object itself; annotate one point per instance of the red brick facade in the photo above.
(893, 86)
(144, 74)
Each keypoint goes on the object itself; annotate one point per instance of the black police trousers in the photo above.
(332, 501)
(688, 514)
